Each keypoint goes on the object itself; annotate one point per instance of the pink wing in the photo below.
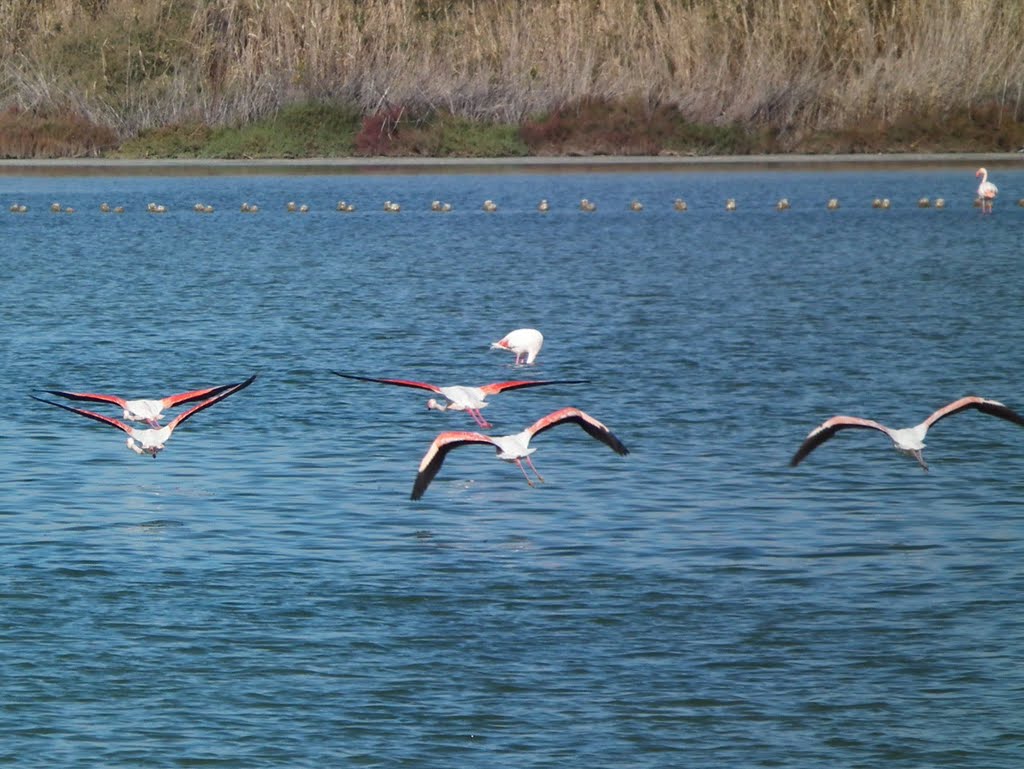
(827, 429)
(92, 397)
(435, 455)
(91, 414)
(497, 387)
(399, 382)
(992, 408)
(193, 395)
(230, 390)
(592, 427)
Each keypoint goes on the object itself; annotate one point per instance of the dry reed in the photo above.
(794, 66)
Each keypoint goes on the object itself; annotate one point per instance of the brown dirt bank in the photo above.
(188, 167)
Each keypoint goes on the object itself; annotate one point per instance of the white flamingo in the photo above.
(524, 342)
(150, 410)
(462, 398)
(152, 441)
(510, 448)
(987, 191)
(906, 440)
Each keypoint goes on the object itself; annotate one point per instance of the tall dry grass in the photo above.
(791, 65)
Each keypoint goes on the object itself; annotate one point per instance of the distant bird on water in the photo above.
(907, 440)
(460, 397)
(524, 342)
(152, 440)
(987, 191)
(510, 448)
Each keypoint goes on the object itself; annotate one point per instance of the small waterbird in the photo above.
(524, 342)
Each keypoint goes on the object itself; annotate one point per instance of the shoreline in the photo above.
(353, 165)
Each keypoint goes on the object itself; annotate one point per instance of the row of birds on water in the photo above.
(986, 195)
(515, 448)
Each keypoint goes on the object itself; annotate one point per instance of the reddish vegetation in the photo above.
(379, 133)
(26, 134)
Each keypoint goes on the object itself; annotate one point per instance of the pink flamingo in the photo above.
(524, 342)
(510, 448)
(460, 398)
(151, 441)
(150, 411)
(987, 191)
(907, 440)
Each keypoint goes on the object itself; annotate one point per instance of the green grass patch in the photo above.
(300, 131)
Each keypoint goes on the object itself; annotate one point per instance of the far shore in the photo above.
(354, 165)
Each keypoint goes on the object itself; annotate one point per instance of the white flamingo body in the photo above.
(153, 440)
(987, 191)
(148, 410)
(510, 448)
(906, 440)
(461, 397)
(524, 342)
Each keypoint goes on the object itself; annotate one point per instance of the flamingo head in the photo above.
(980, 172)
(433, 405)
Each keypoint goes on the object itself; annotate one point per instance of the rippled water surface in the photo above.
(265, 593)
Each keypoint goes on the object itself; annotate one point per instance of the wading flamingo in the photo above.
(151, 441)
(987, 191)
(460, 398)
(150, 411)
(907, 440)
(524, 342)
(511, 448)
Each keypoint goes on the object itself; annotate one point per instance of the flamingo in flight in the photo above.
(510, 448)
(987, 191)
(524, 342)
(461, 398)
(907, 440)
(152, 440)
(151, 410)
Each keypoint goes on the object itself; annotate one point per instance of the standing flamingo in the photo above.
(907, 440)
(510, 448)
(150, 411)
(151, 441)
(461, 398)
(524, 342)
(987, 191)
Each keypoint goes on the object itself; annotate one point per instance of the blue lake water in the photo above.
(265, 593)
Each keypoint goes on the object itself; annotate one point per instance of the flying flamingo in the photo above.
(460, 398)
(511, 448)
(908, 440)
(150, 411)
(987, 191)
(151, 441)
(524, 342)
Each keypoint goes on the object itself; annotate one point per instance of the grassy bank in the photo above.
(256, 78)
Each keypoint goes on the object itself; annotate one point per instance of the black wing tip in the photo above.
(419, 487)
